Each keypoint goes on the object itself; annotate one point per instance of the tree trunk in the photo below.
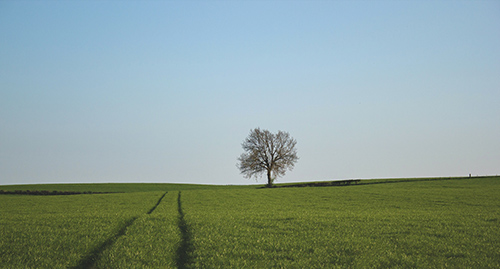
(269, 179)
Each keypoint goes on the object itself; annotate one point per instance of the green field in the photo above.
(116, 187)
(417, 223)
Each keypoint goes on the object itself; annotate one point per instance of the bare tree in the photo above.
(267, 152)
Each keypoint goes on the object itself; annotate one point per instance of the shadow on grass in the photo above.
(185, 248)
(90, 260)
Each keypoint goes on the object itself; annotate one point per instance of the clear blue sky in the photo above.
(166, 91)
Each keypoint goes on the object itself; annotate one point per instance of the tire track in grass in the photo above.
(90, 260)
(158, 203)
(185, 247)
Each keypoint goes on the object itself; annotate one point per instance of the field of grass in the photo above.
(151, 241)
(451, 223)
(433, 223)
(115, 187)
(59, 231)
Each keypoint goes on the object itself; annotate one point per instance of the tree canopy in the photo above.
(268, 153)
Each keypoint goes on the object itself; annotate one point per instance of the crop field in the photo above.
(434, 223)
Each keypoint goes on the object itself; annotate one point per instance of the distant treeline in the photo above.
(37, 192)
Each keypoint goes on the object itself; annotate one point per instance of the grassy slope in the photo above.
(378, 181)
(445, 223)
(151, 241)
(146, 187)
(60, 231)
(449, 223)
(116, 187)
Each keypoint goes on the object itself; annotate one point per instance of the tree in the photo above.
(266, 152)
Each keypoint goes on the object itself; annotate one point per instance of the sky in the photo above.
(166, 91)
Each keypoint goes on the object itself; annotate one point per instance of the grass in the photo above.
(371, 181)
(417, 224)
(151, 241)
(116, 187)
(414, 223)
(60, 231)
